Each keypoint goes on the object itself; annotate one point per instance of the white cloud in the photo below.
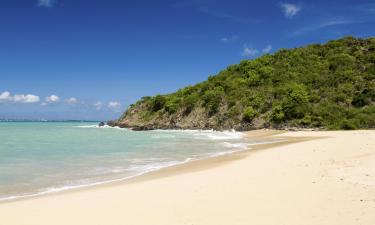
(267, 49)
(46, 3)
(229, 39)
(52, 99)
(225, 40)
(26, 98)
(250, 51)
(98, 105)
(72, 101)
(114, 105)
(290, 10)
(6, 96)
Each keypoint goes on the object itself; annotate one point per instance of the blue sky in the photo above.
(80, 59)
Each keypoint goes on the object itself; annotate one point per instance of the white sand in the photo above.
(319, 182)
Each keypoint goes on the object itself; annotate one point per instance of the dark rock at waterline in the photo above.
(142, 128)
(101, 124)
(112, 123)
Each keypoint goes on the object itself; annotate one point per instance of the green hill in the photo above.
(331, 86)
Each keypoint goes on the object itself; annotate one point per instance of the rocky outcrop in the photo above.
(196, 119)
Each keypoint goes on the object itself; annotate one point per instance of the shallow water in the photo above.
(43, 157)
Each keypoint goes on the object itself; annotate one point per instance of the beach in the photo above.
(318, 177)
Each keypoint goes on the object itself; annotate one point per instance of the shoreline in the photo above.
(266, 135)
(311, 180)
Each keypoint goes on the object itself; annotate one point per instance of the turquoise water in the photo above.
(43, 157)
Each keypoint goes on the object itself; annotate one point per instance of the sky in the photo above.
(88, 60)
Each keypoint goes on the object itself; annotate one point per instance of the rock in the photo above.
(101, 124)
(142, 128)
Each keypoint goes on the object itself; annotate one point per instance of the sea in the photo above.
(38, 158)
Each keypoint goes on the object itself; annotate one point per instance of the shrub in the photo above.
(294, 102)
(212, 99)
(306, 120)
(277, 114)
(249, 114)
(157, 103)
(172, 104)
(346, 124)
(189, 102)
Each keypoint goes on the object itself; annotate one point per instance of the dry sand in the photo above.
(328, 180)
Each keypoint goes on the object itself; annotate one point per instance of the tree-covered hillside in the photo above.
(330, 86)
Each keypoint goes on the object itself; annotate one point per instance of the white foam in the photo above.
(236, 145)
(52, 190)
(139, 169)
(161, 136)
(87, 126)
(152, 166)
(211, 134)
(102, 127)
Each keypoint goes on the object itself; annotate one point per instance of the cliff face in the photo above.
(198, 118)
(330, 86)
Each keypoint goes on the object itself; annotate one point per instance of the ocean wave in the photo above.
(211, 134)
(199, 134)
(87, 126)
(236, 145)
(140, 170)
(52, 190)
(162, 136)
(154, 166)
(101, 127)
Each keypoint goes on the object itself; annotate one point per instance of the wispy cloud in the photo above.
(223, 15)
(98, 105)
(252, 52)
(72, 101)
(6, 96)
(324, 24)
(114, 105)
(267, 49)
(290, 10)
(50, 100)
(229, 39)
(364, 9)
(46, 3)
(249, 51)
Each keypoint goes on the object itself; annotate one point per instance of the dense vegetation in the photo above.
(330, 86)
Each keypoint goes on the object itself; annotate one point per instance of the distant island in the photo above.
(329, 86)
